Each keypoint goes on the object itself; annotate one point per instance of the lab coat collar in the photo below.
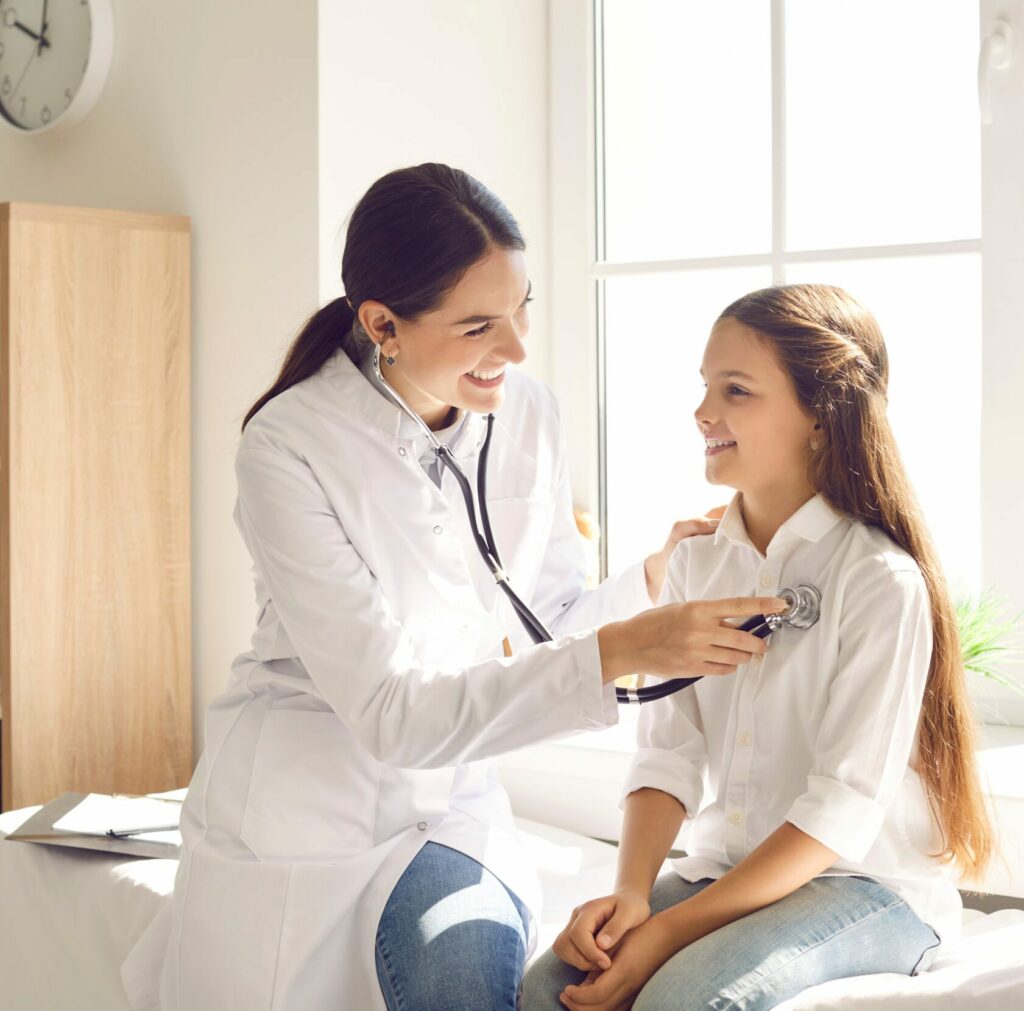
(356, 390)
(811, 522)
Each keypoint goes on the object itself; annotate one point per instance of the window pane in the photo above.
(656, 329)
(883, 136)
(929, 309)
(687, 114)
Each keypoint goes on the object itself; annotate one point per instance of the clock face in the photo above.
(44, 58)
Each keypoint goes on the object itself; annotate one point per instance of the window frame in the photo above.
(579, 268)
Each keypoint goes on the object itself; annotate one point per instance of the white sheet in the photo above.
(70, 917)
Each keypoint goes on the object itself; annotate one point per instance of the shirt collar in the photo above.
(811, 522)
(359, 387)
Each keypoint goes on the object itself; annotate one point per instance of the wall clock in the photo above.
(54, 59)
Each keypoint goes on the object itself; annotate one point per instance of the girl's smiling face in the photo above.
(757, 434)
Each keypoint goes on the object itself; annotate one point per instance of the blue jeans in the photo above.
(451, 937)
(830, 928)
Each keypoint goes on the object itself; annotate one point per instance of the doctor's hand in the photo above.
(597, 926)
(656, 565)
(692, 639)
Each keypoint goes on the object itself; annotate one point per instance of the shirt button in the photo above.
(767, 581)
(401, 450)
(422, 826)
(745, 740)
(438, 530)
(735, 818)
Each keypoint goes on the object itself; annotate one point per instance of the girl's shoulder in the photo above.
(874, 555)
(684, 555)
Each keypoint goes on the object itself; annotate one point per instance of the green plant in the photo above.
(987, 636)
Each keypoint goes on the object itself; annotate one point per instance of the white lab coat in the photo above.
(359, 725)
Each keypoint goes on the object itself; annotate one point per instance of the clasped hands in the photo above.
(620, 946)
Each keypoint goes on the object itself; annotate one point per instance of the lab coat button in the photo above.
(767, 581)
(745, 740)
(422, 826)
(401, 450)
(438, 530)
(735, 818)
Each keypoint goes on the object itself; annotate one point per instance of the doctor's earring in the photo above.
(389, 359)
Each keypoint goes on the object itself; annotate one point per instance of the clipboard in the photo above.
(39, 829)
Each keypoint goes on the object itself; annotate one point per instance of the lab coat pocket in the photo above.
(522, 529)
(310, 793)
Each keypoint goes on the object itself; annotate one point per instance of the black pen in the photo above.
(121, 833)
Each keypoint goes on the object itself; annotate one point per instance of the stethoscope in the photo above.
(804, 601)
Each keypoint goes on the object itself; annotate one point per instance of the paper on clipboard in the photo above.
(100, 814)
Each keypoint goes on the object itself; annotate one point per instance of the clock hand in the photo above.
(42, 42)
(23, 73)
(42, 31)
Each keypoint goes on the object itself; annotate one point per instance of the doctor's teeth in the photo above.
(715, 443)
(489, 374)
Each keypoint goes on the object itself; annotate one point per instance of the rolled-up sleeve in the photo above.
(868, 731)
(672, 753)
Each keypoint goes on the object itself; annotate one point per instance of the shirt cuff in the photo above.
(600, 710)
(669, 772)
(838, 816)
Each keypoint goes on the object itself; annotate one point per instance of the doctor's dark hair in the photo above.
(833, 350)
(410, 239)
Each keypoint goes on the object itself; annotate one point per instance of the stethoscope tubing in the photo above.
(488, 549)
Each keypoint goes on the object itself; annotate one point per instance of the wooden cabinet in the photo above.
(95, 583)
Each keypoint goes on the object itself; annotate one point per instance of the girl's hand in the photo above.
(598, 925)
(655, 565)
(691, 639)
(640, 954)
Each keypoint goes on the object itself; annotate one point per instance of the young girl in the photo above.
(830, 784)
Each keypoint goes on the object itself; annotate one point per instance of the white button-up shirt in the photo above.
(821, 732)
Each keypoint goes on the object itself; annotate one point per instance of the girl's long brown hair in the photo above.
(833, 349)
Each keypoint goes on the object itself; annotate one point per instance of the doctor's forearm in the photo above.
(784, 862)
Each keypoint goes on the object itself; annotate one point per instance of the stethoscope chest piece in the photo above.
(803, 611)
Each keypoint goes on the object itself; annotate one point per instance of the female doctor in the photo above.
(346, 844)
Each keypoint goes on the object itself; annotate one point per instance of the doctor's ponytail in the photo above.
(410, 239)
(833, 350)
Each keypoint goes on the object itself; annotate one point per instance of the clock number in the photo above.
(23, 101)
(10, 17)
(6, 87)
(67, 96)
(45, 116)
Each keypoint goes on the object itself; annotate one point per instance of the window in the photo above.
(700, 150)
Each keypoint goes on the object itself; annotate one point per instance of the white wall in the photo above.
(456, 81)
(209, 111)
(238, 115)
